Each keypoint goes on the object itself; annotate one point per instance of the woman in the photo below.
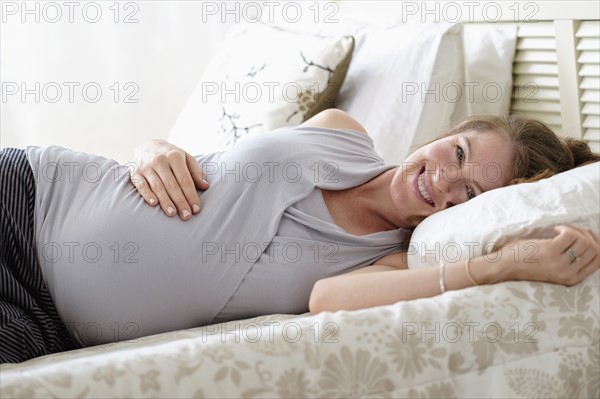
(283, 224)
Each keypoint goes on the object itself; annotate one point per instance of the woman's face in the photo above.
(449, 172)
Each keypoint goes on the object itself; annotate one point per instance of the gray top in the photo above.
(307, 247)
(119, 269)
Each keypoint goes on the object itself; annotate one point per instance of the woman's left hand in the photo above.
(566, 259)
(170, 174)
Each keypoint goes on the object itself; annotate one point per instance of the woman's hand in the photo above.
(566, 259)
(169, 174)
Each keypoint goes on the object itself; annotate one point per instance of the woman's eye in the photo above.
(460, 154)
(470, 193)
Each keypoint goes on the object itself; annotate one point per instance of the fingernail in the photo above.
(196, 208)
(170, 210)
(152, 200)
(185, 213)
(205, 182)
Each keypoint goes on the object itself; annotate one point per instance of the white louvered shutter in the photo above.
(588, 46)
(535, 74)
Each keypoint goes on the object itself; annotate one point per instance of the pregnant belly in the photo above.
(119, 269)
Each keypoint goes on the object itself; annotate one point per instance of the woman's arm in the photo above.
(165, 174)
(386, 285)
(539, 260)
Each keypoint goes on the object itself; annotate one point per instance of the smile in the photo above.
(421, 188)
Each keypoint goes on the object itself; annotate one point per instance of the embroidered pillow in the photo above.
(262, 78)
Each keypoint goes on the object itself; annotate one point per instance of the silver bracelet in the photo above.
(442, 282)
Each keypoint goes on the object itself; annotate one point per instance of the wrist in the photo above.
(158, 141)
(487, 272)
(151, 147)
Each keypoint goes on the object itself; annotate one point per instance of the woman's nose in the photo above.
(448, 186)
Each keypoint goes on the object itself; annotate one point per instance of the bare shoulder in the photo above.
(395, 261)
(334, 118)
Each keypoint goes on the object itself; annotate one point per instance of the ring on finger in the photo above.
(571, 253)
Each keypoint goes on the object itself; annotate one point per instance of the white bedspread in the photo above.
(519, 339)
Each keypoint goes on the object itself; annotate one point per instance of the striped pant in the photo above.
(29, 323)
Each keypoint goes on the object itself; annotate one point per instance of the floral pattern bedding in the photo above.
(514, 339)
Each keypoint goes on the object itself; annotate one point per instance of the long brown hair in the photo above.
(538, 151)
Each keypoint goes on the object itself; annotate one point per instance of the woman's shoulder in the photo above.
(334, 118)
(330, 130)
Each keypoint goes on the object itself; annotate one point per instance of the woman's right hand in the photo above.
(550, 260)
(165, 174)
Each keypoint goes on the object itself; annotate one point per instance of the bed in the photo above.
(514, 339)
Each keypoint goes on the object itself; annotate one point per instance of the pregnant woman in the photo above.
(305, 218)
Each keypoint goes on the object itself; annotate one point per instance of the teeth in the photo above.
(422, 189)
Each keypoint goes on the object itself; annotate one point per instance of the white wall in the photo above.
(162, 55)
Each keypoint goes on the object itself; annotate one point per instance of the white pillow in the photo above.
(385, 88)
(487, 59)
(261, 79)
(496, 217)
(489, 52)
